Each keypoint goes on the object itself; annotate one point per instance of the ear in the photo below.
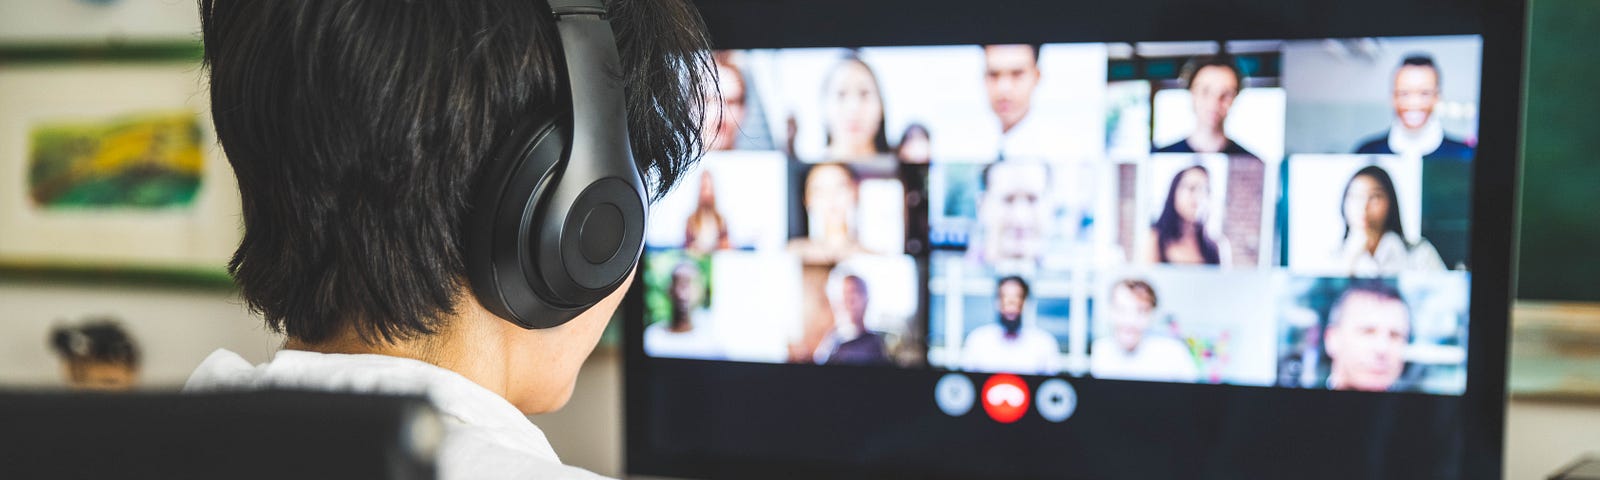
(1332, 341)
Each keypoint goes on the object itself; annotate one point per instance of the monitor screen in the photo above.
(1217, 256)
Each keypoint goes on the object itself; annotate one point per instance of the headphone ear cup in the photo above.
(500, 252)
(589, 241)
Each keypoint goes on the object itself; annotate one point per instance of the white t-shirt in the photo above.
(698, 342)
(485, 436)
(1155, 359)
(1392, 256)
(1404, 142)
(1032, 352)
(1033, 140)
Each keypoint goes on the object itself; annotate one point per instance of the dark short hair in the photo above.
(98, 339)
(1032, 46)
(1422, 60)
(1026, 291)
(356, 129)
(861, 284)
(1138, 287)
(1194, 65)
(1373, 288)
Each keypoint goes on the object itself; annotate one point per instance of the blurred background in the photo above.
(111, 261)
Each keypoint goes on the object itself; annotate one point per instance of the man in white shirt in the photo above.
(1010, 76)
(1011, 345)
(1130, 352)
(357, 131)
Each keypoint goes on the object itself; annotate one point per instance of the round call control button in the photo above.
(1056, 400)
(955, 394)
(1005, 398)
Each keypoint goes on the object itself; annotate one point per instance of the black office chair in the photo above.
(272, 434)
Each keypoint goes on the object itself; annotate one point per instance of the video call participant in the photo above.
(1374, 239)
(706, 230)
(1416, 132)
(831, 198)
(914, 153)
(1447, 162)
(1013, 216)
(1131, 353)
(1010, 76)
(355, 130)
(725, 106)
(853, 106)
(851, 343)
(1011, 345)
(97, 354)
(1368, 329)
(687, 333)
(1180, 232)
(1213, 83)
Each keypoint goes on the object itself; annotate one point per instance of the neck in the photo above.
(680, 321)
(841, 151)
(461, 343)
(1373, 237)
(1209, 140)
(1007, 127)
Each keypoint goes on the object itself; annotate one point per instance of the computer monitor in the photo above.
(241, 435)
(1135, 239)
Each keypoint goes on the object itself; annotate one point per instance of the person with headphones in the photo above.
(447, 198)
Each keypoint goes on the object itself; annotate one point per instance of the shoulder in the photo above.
(479, 453)
(984, 333)
(1424, 256)
(1181, 146)
(1040, 337)
(1454, 148)
(1166, 345)
(1378, 144)
(1234, 148)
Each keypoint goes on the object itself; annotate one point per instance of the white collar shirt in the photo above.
(485, 437)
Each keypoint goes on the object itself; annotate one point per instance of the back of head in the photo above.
(96, 340)
(356, 129)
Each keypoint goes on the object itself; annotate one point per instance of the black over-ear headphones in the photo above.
(557, 221)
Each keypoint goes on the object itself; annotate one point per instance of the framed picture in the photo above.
(109, 166)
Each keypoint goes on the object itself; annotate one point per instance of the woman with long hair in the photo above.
(1180, 232)
(1374, 240)
(853, 112)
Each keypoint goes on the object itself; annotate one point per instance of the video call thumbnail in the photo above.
(1184, 212)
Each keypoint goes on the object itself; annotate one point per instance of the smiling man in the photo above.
(1416, 131)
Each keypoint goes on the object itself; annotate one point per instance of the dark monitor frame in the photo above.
(1480, 412)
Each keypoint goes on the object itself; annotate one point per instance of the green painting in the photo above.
(149, 160)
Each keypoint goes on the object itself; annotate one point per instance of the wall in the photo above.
(1560, 171)
(175, 328)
